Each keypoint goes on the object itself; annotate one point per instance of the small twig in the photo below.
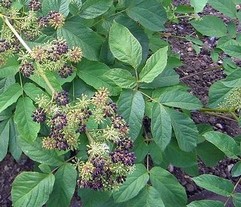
(236, 185)
(204, 71)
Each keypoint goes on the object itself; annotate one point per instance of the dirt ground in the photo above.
(196, 73)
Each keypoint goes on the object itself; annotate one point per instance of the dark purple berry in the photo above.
(123, 156)
(39, 115)
(4, 45)
(59, 121)
(6, 3)
(55, 19)
(27, 69)
(34, 5)
(125, 144)
(61, 98)
(62, 145)
(65, 71)
(81, 129)
(43, 21)
(60, 46)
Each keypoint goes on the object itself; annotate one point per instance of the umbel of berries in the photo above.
(27, 69)
(34, 5)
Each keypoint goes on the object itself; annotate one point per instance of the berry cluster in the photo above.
(53, 19)
(110, 158)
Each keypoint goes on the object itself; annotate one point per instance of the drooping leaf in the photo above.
(148, 13)
(228, 8)
(154, 65)
(124, 46)
(92, 8)
(64, 186)
(28, 129)
(171, 192)
(134, 183)
(93, 73)
(214, 184)
(32, 189)
(185, 130)
(205, 203)
(210, 26)
(161, 127)
(121, 77)
(131, 106)
(4, 138)
(79, 35)
(10, 96)
(198, 5)
(180, 99)
(148, 197)
(223, 142)
(36, 152)
(61, 6)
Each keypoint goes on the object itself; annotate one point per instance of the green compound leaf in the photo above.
(161, 127)
(28, 129)
(32, 189)
(121, 77)
(37, 153)
(210, 26)
(171, 192)
(64, 186)
(223, 142)
(148, 13)
(92, 8)
(93, 73)
(214, 184)
(61, 6)
(131, 106)
(4, 138)
(124, 46)
(180, 99)
(10, 96)
(148, 197)
(78, 35)
(154, 65)
(226, 7)
(198, 5)
(185, 130)
(133, 184)
(205, 203)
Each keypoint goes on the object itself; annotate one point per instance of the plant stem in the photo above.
(236, 185)
(91, 140)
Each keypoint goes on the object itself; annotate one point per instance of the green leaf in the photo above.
(92, 198)
(133, 184)
(149, 14)
(93, 73)
(205, 203)
(185, 130)
(180, 99)
(14, 147)
(4, 138)
(124, 46)
(223, 142)
(171, 192)
(161, 128)
(131, 106)
(121, 77)
(28, 129)
(64, 186)
(37, 153)
(10, 96)
(154, 65)
(228, 8)
(78, 35)
(32, 189)
(237, 199)
(92, 8)
(33, 91)
(148, 197)
(214, 184)
(236, 170)
(10, 68)
(61, 6)
(198, 5)
(210, 26)
(156, 153)
(140, 149)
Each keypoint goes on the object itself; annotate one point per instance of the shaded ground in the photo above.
(197, 73)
